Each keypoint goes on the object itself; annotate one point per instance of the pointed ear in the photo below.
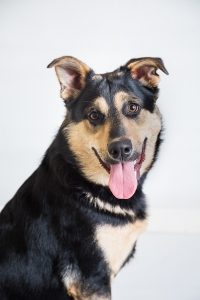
(71, 74)
(144, 69)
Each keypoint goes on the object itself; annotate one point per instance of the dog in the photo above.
(75, 221)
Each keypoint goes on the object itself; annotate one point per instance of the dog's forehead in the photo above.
(115, 104)
(117, 87)
(107, 101)
(101, 95)
(108, 86)
(107, 93)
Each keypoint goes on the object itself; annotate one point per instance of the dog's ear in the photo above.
(144, 69)
(72, 74)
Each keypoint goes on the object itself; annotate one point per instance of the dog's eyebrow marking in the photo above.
(115, 209)
(102, 105)
(119, 99)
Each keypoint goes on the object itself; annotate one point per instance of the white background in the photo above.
(104, 34)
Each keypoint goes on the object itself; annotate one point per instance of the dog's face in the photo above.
(112, 121)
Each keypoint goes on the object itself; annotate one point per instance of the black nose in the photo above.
(120, 150)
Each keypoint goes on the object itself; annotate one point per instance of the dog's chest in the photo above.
(117, 242)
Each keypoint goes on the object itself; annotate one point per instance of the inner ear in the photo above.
(145, 70)
(72, 74)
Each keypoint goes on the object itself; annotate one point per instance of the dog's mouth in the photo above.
(103, 164)
(123, 176)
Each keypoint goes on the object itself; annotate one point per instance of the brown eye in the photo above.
(134, 108)
(93, 115)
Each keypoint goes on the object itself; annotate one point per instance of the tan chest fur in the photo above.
(116, 242)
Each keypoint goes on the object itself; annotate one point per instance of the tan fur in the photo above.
(101, 105)
(122, 97)
(82, 137)
(147, 124)
(77, 289)
(77, 294)
(71, 281)
(153, 121)
(117, 242)
(119, 100)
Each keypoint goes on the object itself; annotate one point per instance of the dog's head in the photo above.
(112, 122)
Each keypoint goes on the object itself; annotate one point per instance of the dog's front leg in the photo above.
(92, 288)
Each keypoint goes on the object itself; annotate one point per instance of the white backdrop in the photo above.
(104, 34)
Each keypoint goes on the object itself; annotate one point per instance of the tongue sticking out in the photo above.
(123, 180)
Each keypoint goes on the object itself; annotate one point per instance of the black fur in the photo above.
(49, 224)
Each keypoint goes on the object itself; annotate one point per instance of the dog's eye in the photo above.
(133, 108)
(93, 115)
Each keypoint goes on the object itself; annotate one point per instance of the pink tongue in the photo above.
(123, 180)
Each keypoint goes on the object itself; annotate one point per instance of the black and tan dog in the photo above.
(74, 223)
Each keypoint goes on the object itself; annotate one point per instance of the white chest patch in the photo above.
(116, 242)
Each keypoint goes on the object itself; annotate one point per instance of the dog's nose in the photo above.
(120, 150)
